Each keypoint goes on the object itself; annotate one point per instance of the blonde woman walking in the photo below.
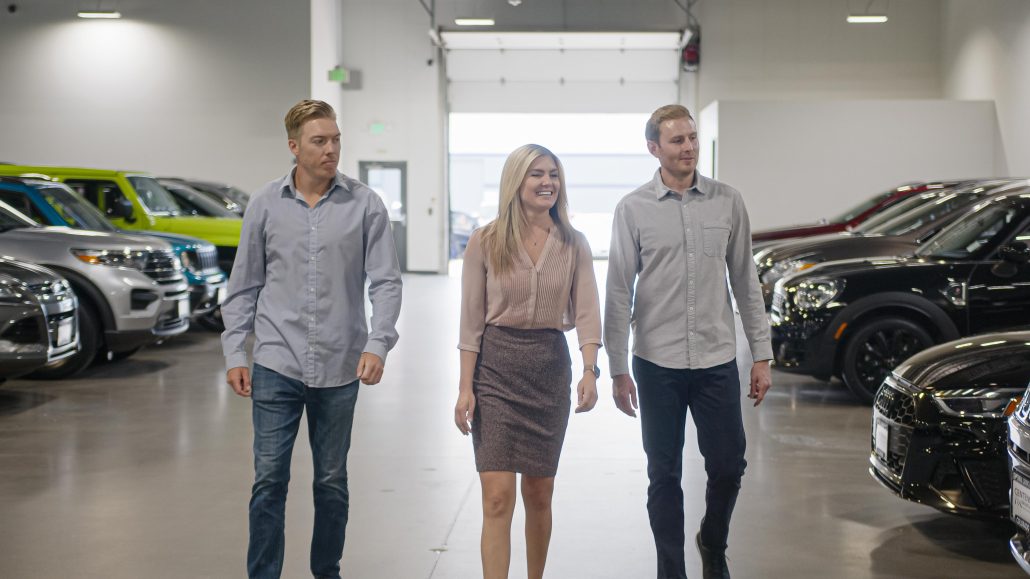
(528, 277)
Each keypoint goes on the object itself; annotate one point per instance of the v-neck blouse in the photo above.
(559, 292)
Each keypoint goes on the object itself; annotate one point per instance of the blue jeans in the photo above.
(278, 403)
(712, 395)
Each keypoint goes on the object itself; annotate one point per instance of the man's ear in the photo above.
(652, 147)
(294, 147)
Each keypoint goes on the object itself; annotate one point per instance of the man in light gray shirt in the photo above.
(309, 241)
(674, 240)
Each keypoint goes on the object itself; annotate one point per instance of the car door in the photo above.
(1000, 299)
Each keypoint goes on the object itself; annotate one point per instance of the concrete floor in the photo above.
(143, 469)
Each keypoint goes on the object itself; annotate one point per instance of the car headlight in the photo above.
(781, 269)
(979, 403)
(812, 294)
(191, 261)
(114, 258)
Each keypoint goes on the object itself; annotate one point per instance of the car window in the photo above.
(75, 210)
(900, 208)
(20, 202)
(861, 208)
(924, 215)
(153, 196)
(966, 236)
(101, 193)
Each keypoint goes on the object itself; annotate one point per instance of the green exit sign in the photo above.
(340, 75)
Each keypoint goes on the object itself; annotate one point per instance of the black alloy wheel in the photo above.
(875, 349)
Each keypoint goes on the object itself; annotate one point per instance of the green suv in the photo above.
(133, 200)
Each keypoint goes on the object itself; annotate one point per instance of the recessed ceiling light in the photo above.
(867, 18)
(474, 21)
(100, 14)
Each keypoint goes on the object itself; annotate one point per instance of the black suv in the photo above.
(939, 430)
(858, 319)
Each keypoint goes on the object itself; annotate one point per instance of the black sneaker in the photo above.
(713, 565)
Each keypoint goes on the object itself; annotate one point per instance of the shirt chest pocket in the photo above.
(716, 238)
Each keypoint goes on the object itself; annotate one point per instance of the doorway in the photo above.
(390, 180)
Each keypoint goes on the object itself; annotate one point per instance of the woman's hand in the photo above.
(587, 391)
(464, 409)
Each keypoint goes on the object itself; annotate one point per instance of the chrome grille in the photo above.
(208, 259)
(162, 267)
(51, 291)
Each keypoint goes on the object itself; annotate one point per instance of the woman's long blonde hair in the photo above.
(502, 236)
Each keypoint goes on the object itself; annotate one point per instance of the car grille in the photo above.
(895, 405)
(899, 409)
(990, 479)
(208, 258)
(51, 291)
(161, 267)
(778, 301)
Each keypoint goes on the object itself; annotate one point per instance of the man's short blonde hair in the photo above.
(667, 113)
(305, 111)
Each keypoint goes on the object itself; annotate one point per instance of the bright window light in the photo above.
(867, 18)
(474, 21)
(100, 14)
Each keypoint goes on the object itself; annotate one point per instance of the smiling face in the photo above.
(317, 149)
(541, 186)
(677, 147)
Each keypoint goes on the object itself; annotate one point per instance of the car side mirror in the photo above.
(1016, 252)
(122, 208)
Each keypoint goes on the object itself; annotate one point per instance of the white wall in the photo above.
(387, 41)
(986, 47)
(191, 88)
(795, 162)
(804, 49)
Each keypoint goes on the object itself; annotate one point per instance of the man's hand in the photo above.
(370, 368)
(464, 409)
(625, 393)
(587, 392)
(239, 379)
(761, 381)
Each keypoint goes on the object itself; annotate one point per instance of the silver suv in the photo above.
(130, 289)
(38, 324)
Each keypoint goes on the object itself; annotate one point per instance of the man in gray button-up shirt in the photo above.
(674, 240)
(309, 241)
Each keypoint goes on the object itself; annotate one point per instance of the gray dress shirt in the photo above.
(298, 283)
(667, 278)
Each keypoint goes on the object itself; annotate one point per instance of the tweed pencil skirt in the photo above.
(522, 385)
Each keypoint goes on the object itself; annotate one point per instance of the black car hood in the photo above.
(842, 246)
(845, 267)
(996, 360)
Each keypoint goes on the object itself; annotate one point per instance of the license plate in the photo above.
(184, 308)
(220, 295)
(1021, 501)
(64, 332)
(881, 437)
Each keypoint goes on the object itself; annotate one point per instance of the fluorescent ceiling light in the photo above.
(474, 21)
(100, 14)
(867, 18)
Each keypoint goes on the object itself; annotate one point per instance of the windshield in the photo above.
(153, 196)
(900, 208)
(969, 234)
(194, 202)
(78, 212)
(861, 208)
(924, 215)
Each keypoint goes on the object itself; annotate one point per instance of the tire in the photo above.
(89, 344)
(212, 320)
(875, 349)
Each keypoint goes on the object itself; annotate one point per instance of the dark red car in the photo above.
(849, 218)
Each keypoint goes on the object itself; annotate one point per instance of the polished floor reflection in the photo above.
(143, 469)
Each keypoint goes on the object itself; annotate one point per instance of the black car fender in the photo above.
(908, 305)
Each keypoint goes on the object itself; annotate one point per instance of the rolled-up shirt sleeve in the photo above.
(384, 274)
(245, 284)
(586, 306)
(623, 265)
(744, 283)
(473, 295)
